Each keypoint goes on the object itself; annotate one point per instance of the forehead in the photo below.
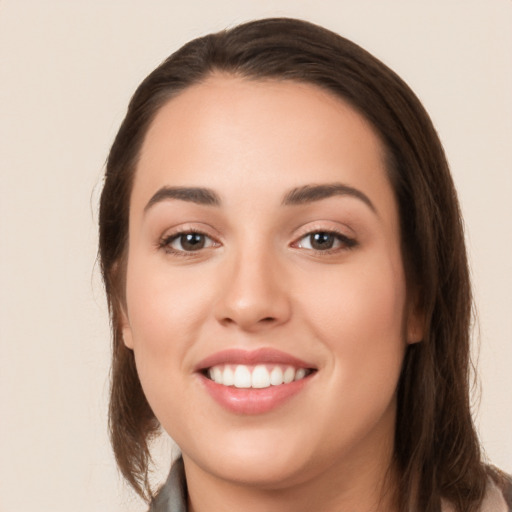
(231, 131)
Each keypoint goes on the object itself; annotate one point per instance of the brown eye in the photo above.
(325, 241)
(322, 241)
(187, 242)
(191, 241)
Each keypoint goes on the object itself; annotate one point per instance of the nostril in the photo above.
(267, 319)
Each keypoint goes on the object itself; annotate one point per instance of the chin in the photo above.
(267, 474)
(262, 460)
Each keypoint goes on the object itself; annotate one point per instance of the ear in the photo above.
(415, 328)
(126, 330)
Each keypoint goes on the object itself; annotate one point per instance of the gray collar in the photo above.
(172, 497)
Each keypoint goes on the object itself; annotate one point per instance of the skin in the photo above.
(258, 283)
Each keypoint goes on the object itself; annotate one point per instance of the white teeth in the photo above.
(260, 377)
(276, 376)
(242, 377)
(256, 377)
(289, 375)
(217, 375)
(300, 374)
(228, 377)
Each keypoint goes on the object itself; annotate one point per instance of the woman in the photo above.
(284, 261)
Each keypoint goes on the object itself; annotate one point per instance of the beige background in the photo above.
(67, 70)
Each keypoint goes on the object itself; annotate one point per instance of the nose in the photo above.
(254, 294)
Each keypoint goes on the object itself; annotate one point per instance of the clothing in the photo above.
(173, 495)
(495, 500)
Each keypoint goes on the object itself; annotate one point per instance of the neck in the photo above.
(367, 484)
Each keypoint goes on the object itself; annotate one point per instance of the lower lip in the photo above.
(250, 400)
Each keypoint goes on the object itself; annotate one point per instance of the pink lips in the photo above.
(260, 356)
(248, 400)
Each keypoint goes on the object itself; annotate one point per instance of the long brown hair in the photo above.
(436, 449)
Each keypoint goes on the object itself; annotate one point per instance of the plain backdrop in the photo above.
(67, 71)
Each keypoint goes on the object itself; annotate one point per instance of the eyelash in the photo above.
(346, 243)
(166, 241)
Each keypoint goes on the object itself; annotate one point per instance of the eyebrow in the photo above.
(296, 196)
(198, 195)
(311, 193)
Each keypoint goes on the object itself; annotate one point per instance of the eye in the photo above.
(187, 242)
(325, 241)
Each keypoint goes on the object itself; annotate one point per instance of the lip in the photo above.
(250, 401)
(251, 357)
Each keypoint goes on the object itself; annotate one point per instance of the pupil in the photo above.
(192, 241)
(322, 241)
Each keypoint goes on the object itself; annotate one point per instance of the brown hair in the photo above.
(436, 449)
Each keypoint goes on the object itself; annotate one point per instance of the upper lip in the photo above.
(251, 357)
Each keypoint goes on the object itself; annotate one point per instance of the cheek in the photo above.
(359, 299)
(359, 317)
(166, 313)
(161, 302)
(360, 324)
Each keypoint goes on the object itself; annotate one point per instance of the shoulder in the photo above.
(499, 492)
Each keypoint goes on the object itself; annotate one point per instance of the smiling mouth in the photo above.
(258, 376)
(251, 382)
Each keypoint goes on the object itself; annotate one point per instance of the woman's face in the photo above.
(265, 293)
